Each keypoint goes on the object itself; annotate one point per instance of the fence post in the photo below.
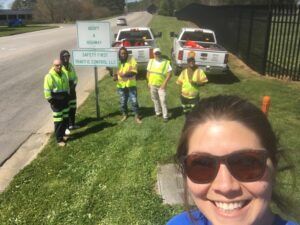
(267, 37)
(250, 34)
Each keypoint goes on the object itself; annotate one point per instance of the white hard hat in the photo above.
(156, 50)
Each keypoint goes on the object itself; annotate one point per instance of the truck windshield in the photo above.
(197, 36)
(135, 34)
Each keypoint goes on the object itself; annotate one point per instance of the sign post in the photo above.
(97, 93)
(91, 36)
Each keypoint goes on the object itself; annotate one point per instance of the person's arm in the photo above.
(148, 74)
(47, 89)
(179, 82)
(168, 77)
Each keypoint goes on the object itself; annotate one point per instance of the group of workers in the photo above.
(60, 91)
(159, 73)
(229, 172)
(60, 88)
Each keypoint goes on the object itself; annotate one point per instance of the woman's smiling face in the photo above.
(226, 200)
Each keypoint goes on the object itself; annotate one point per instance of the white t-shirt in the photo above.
(156, 64)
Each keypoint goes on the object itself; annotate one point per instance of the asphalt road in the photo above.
(24, 61)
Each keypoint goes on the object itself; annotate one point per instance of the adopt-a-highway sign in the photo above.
(93, 34)
(101, 58)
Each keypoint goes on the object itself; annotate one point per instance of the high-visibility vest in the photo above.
(158, 75)
(129, 66)
(71, 73)
(55, 84)
(188, 89)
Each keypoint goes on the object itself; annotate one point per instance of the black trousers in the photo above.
(188, 104)
(72, 106)
(60, 110)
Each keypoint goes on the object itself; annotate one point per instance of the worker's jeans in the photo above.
(158, 97)
(131, 94)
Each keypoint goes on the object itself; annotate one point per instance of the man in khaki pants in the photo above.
(158, 74)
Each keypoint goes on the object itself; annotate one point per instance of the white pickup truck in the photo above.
(210, 56)
(139, 41)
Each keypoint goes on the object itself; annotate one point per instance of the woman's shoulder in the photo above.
(185, 219)
(279, 221)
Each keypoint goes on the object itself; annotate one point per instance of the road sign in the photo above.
(93, 34)
(106, 58)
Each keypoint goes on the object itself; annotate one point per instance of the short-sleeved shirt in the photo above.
(200, 219)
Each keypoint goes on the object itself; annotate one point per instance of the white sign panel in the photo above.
(93, 34)
(105, 58)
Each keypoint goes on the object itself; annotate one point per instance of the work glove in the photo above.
(196, 84)
(129, 74)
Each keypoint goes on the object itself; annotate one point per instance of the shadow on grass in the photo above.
(93, 129)
(149, 112)
(226, 78)
(175, 112)
(146, 112)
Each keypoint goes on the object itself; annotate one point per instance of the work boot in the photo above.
(137, 119)
(124, 118)
(65, 138)
(67, 132)
(61, 144)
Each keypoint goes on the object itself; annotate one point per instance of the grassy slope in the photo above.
(6, 31)
(107, 173)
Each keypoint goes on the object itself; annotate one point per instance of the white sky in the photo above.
(6, 3)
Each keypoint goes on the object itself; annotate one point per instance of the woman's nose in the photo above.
(225, 183)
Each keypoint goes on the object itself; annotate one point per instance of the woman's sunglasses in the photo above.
(244, 165)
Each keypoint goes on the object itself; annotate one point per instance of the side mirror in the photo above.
(115, 35)
(172, 34)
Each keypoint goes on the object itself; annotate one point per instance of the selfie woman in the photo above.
(228, 155)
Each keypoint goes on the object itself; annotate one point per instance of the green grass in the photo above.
(106, 175)
(7, 31)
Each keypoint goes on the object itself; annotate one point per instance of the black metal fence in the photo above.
(267, 38)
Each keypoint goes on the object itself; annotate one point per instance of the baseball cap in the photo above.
(156, 50)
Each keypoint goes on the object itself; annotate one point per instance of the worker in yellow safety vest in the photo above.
(158, 75)
(56, 91)
(69, 69)
(190, 79)
(125, 76)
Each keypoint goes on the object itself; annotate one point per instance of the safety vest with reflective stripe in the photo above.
(71, 73)
(188, 89)
(158, 75)
(53, 83)
(129, 66)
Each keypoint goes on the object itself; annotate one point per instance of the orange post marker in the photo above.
(266, 104)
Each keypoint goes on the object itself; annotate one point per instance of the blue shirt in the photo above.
(200, 219)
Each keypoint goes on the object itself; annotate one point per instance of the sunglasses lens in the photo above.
(247, 166)
(200, 169)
